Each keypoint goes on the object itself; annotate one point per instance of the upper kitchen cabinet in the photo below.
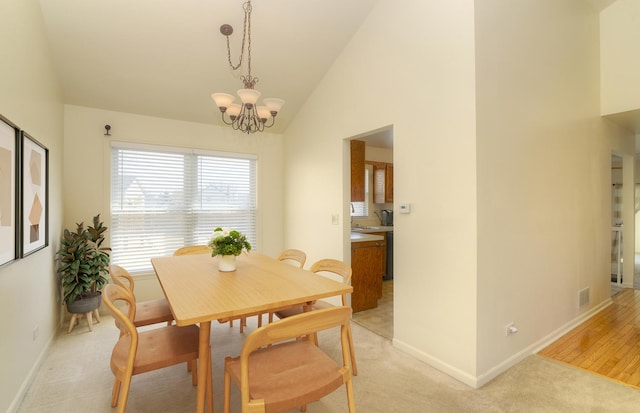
(382, 182)
(357, 171)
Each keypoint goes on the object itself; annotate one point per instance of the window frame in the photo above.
(190, 214)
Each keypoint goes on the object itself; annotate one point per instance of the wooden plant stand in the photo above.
(75, 319)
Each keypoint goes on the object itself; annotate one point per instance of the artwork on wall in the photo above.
(8, 184)
(35, 195)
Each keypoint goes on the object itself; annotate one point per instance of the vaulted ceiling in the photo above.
(164, 58)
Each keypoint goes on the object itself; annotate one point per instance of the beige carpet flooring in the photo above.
(75, 377)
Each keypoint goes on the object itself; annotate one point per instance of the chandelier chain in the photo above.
(246, 34)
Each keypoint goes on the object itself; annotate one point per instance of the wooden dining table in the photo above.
(198, 292)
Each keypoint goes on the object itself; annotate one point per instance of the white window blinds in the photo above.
(166, 198)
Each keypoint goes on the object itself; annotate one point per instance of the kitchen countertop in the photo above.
(362, 237)
(367, 230)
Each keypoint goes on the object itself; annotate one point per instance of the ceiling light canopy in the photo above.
(247, 116)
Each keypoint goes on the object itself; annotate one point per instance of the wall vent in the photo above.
(583, 297)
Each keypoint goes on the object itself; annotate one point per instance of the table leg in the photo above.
(309, 307)
(204, 384)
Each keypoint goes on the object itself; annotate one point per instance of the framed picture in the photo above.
(35, 195)
(8, 187)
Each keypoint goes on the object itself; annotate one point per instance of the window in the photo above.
(166, 198)
(361, 209)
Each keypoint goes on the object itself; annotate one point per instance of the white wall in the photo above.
(87, 169)
(372, 153)
(504, 228)
(31, 98)
(620, 63)
(544, 174)
(412, 67)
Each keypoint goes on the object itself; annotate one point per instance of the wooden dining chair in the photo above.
(139, 352)
(338, 268)
(147, 312)
(275, 373)
(293, 256)
(193, 249)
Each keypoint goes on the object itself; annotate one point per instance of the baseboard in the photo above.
(564, 329)
(436, 363)
(22, 391)
(479, 381)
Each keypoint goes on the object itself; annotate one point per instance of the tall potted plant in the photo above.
(83, 266)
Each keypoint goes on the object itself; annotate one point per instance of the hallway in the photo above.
(608, 344)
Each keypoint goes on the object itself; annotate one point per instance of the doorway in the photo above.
(623, 221)
(617, 205)
(378, 151)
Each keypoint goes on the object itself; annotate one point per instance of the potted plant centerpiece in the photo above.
(83, 266)
(228, 244)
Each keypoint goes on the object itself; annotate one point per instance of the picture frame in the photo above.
(9, 200)
(34, 194)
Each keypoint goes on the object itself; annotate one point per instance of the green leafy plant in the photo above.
(82, 261)
(227, 241)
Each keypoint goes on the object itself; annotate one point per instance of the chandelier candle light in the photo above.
(248, 117)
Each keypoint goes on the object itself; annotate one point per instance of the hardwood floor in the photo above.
(608, 344)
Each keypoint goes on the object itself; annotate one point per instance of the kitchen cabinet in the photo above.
(368, 266)
(357, 171)
(382, 182)
(384, 258)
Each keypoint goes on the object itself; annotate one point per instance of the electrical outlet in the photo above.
(511, 329)
(335, 219)
(36, 331)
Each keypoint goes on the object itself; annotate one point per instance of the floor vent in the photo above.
(583, 297)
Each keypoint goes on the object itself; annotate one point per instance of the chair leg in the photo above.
(350, 396)
(227, 387)
(115, 392)
(354, 367)
(209, 391)
(259, 320)
(194, 372)
(124, 394)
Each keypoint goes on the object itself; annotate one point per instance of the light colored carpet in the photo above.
(75, 377)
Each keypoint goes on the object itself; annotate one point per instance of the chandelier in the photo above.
(248, 117)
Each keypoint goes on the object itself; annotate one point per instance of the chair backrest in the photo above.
(111, 294)
(193, 249)
(298, 326)
(337, 267)
(121, 277)
(294, 255)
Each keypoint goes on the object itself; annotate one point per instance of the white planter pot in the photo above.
(227, 263)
